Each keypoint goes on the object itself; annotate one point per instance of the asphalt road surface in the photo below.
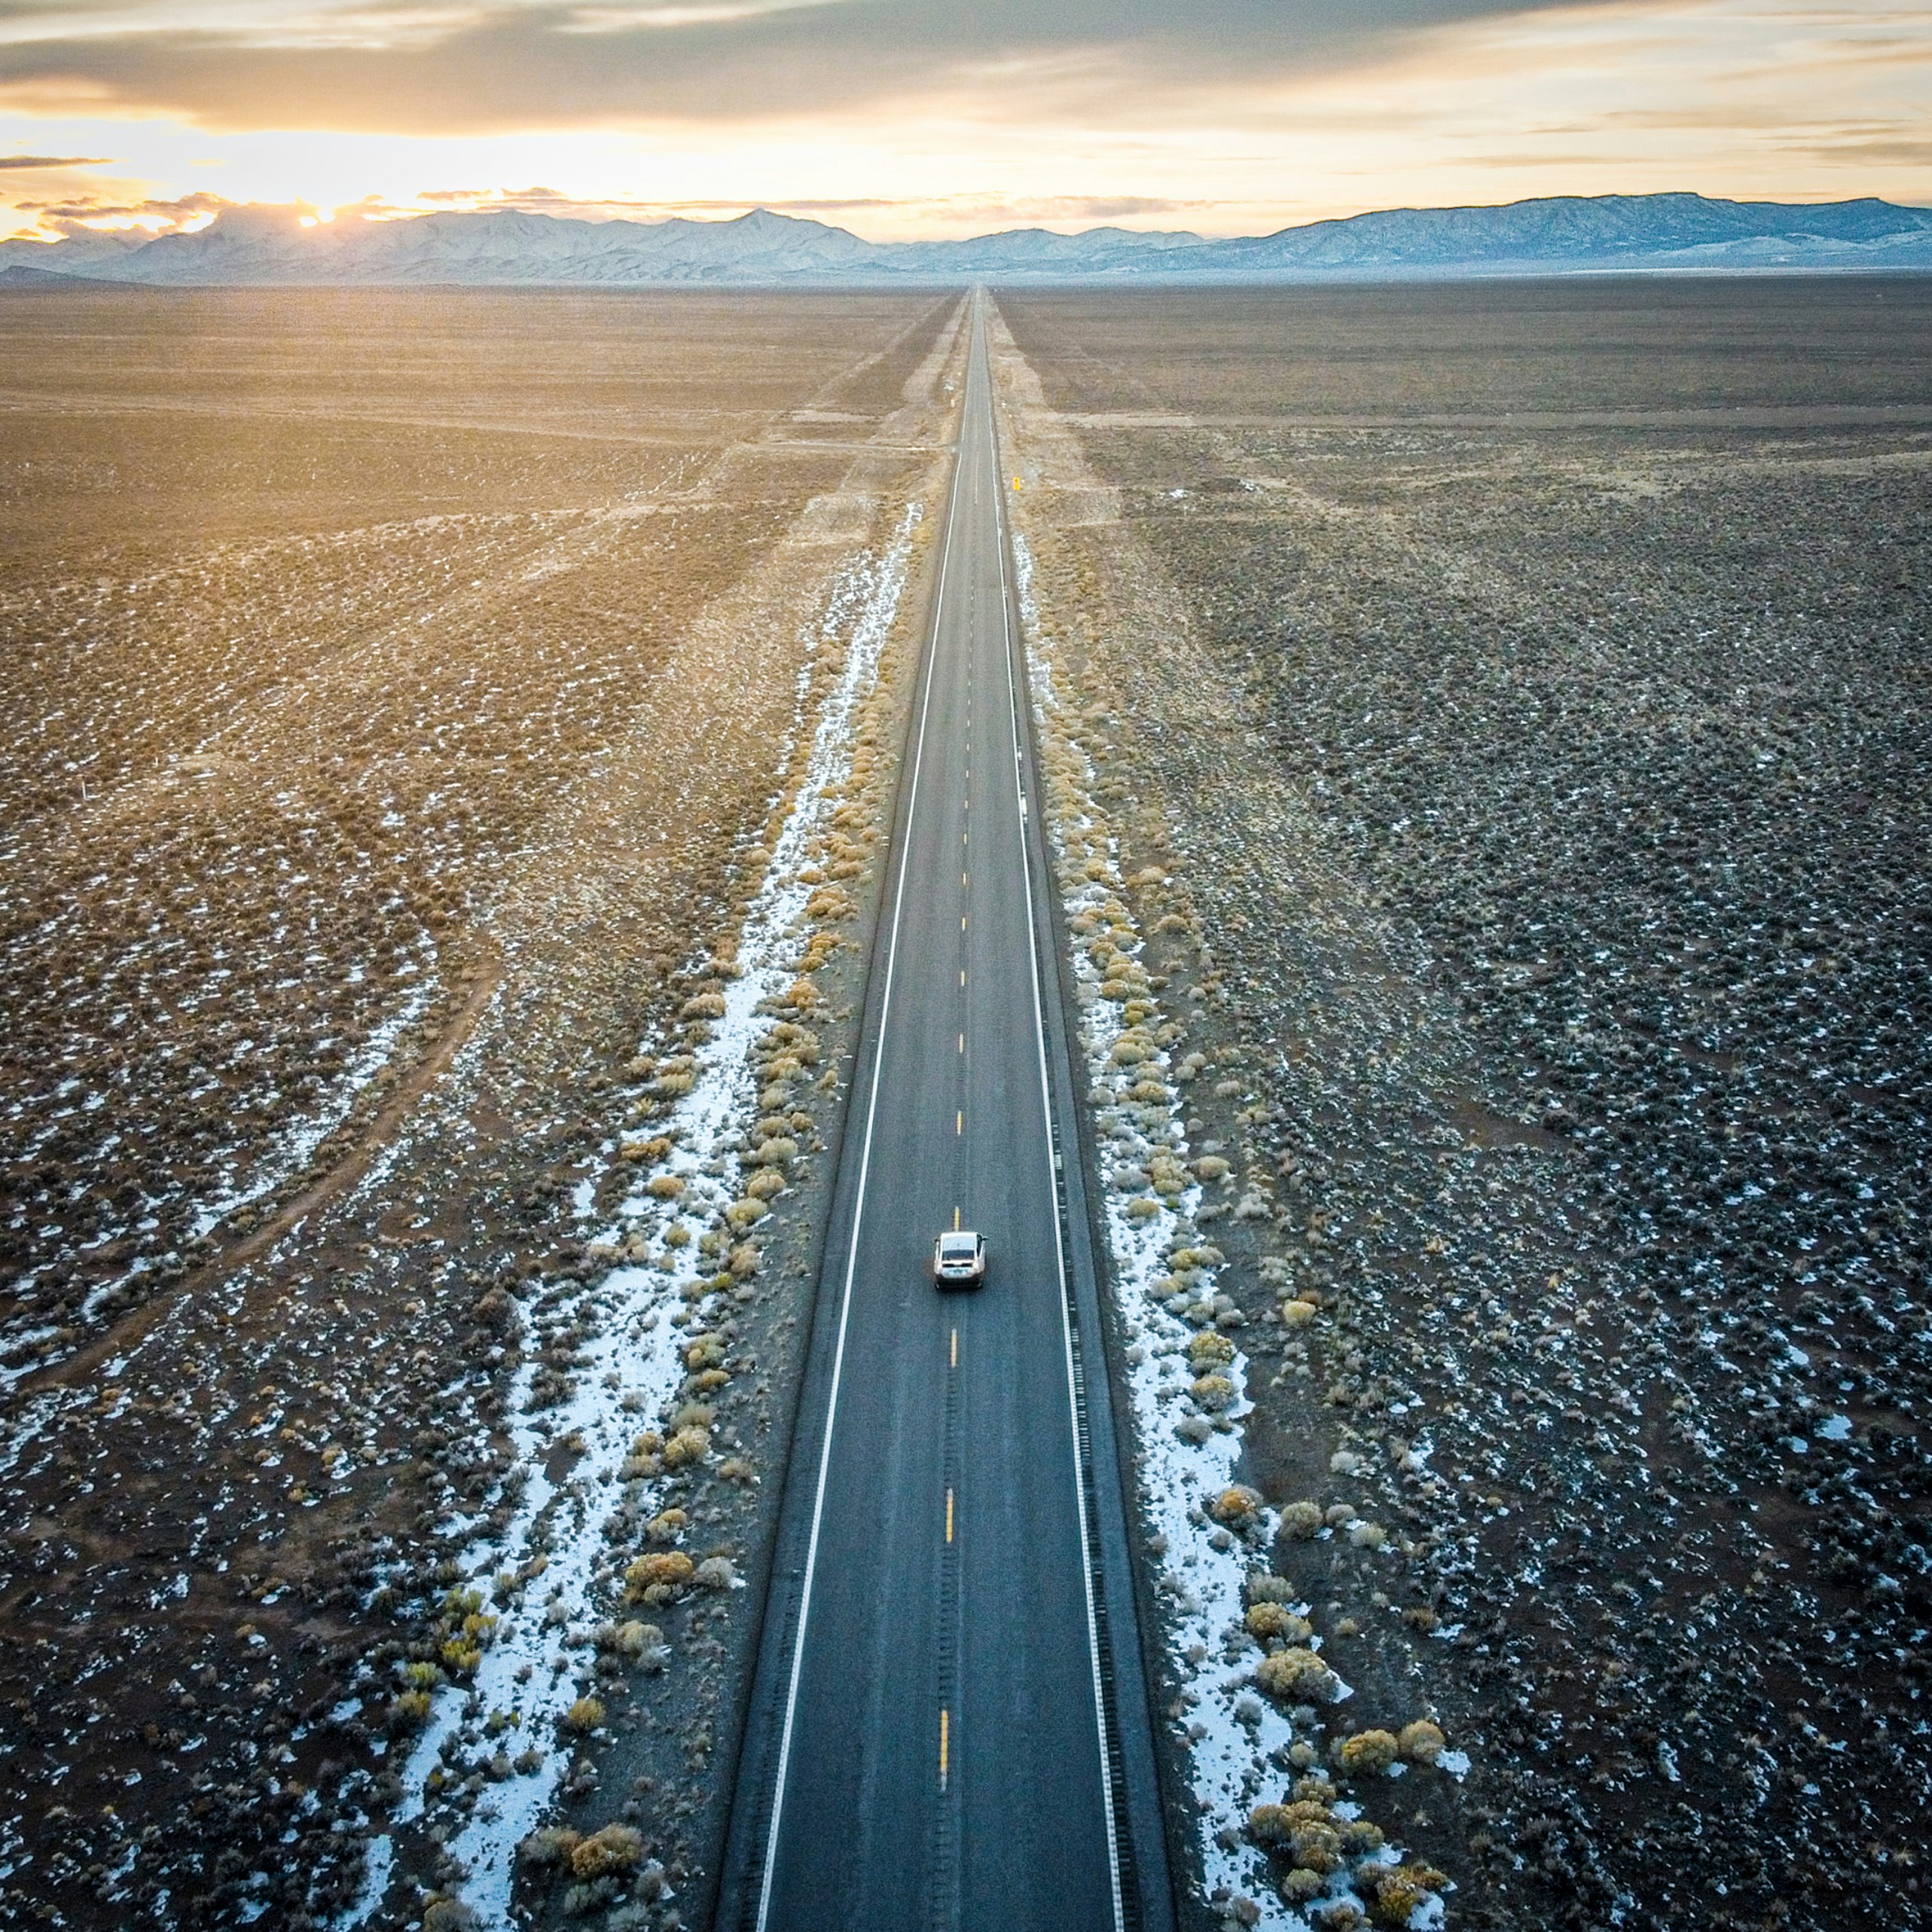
(949, 1725)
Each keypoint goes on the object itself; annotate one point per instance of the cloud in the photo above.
(78, 212)
(480, 66)
(21, 164)
(1903, 151)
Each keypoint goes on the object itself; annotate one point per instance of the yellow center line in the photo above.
(962, 975)
(949, 1516)
(962, 1042)
(955, 1220)
(959, 1122)
(945, 1739)
(963, 918)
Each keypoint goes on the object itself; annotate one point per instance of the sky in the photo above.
(901, 118)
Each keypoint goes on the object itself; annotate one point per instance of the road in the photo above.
(949, 1725)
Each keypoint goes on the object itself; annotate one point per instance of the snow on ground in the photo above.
(294, 1149)
(1187, 1381)
(535, 1595)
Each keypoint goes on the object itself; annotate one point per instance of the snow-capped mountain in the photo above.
(257, 246)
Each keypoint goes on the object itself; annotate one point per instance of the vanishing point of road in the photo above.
(949, 1727)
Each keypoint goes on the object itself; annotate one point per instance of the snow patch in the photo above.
(631, 1367)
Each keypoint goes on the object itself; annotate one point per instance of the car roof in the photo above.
(958, 1241)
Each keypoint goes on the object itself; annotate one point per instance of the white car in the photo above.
(958, 1260)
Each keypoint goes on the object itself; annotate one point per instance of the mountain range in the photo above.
(256, 246)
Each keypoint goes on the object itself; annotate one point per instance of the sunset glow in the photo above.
(901, 120)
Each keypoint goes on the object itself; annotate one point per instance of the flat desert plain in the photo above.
(1509, 706)
(399, 688)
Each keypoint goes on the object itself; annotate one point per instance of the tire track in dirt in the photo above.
(328, 1187)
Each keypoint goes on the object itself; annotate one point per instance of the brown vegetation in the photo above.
(1521, 689)
(397, 647)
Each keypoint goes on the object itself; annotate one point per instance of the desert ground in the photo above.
(1504, 708)
(453, 745)
(400, 688)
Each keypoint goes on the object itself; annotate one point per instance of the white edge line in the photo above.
(1053, 1180)
(858, 1214)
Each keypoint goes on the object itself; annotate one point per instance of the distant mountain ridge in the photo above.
(257, 247)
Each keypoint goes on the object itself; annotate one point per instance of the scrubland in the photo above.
(1497, 717)
(399, 689)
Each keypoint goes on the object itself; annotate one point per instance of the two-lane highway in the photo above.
(949, 1725)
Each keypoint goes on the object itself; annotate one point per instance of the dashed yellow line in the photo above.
(945, 1741)
(956, 1348)
(949, 1516)
(959, 1122)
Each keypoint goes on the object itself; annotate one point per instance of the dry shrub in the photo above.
(1367, 1753)
(633, 1639)
(1211, 1167)
(410, 1709)
(1301, 1885)
(1269, 1824)
(549, 1846)
(1422, 1742)
(715, 1572)
(763, 1185)
(1310, 1833)
(583, 1717)
(703, 1006)
(1300, 1520)
(1295, 1675)
(1263, 1586)
(1275, 1622)
(1208, 1347)
(1204, 1255)
(1396, 1890)
(666, 1526)
(659, 1576)
(1298, 1313)
(616, 1848)
(1238, 1505)
(1213, 1393)
(449, 1914)
(703, 1351)
(689, 1445)
(666, 1187)
(746, 1213)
